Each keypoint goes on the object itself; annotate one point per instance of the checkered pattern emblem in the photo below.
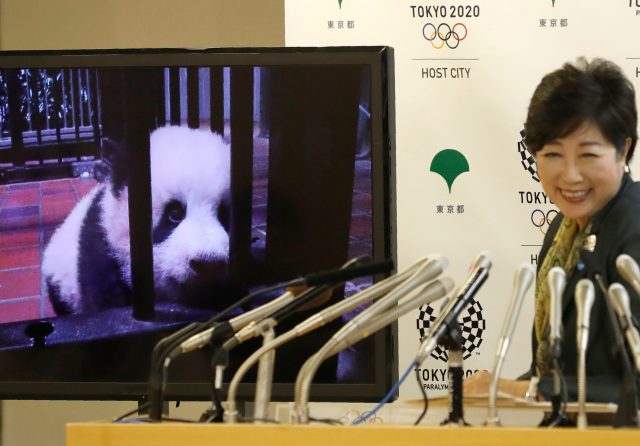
(526, 159)
(472, 325)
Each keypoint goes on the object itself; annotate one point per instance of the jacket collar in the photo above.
(591, 256)
(598, 219)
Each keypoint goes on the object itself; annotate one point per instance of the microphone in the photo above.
(228, 327)
(430, 270)
(397, 285)
(370, 294)
(426, 272)
(316, 295)
(342, 275)
(584, 297)
(286, 304)
(431, 292)
(556, 281)
(170, 347)
(522, 281)
(629, 270)
(317, 320)
(333, 279)
(265, 328)
(371, 315)
(304, 301)
(620, 301)
(374, 292)
(479, 272)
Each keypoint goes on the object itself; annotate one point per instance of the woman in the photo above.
(582, 130)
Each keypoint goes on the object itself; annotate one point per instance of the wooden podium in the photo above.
(395, 430)
(171, 434)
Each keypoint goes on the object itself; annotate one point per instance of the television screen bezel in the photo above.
(380, 61)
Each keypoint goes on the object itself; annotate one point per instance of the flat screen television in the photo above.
(141, 190)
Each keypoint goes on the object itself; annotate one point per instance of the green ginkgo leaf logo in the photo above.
(553, 3)
(340, 3)
(449, 164)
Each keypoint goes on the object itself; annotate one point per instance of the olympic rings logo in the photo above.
(542, 220)
(444, 34)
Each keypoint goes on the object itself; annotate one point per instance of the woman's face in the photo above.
(581, 172)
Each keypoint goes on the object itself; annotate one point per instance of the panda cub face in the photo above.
(190, 173)
(87, 263)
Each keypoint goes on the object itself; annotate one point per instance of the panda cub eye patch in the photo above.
(175, 211)
(172, 215)
(223, 215)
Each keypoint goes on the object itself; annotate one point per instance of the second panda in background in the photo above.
(87, 265)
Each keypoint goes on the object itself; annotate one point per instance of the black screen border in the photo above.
(380, 61)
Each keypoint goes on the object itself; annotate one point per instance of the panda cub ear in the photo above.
(114, 165)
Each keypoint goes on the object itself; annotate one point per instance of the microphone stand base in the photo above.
(454, 423)
(627, 413)
(557, 417)
(211, 415)
(553, 420)
(492, 422)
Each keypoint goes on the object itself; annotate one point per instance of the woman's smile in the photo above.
(577, 196)
(581, 172)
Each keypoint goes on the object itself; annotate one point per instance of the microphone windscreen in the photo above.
(619, 299)
(372, 268)
(629, 270)
(522, 281)
(584, 297)
(483, 260)
(556, 281)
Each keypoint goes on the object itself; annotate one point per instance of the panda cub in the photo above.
(86, 264)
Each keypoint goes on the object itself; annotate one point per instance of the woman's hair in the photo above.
(596, 92)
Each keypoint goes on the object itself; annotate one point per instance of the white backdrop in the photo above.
(470, 94)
